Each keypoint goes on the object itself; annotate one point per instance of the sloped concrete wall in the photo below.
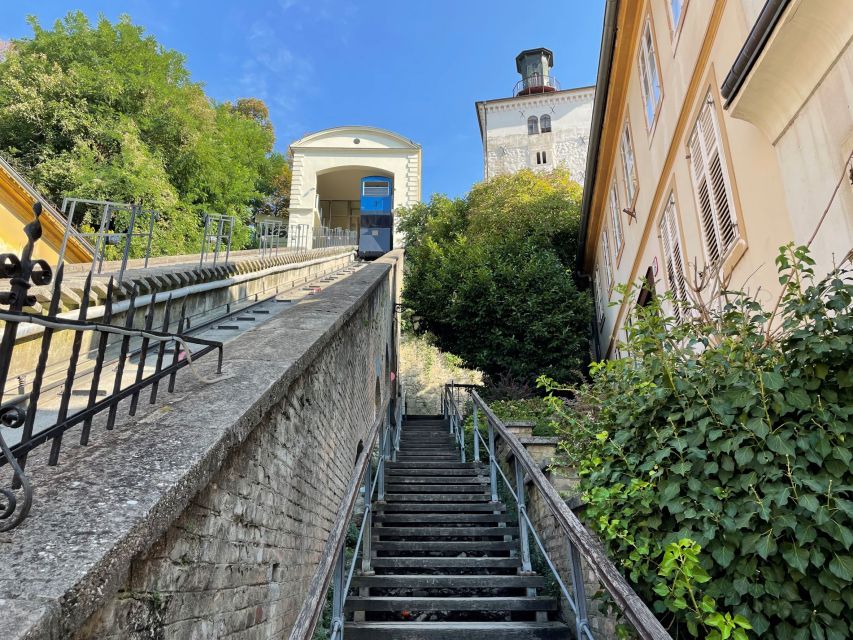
(206, 517)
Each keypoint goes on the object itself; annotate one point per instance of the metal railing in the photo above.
(364, 484)
(218, 230)
(297, 236)
(21, 422)
(271, 235)
(582, 545)
(536, 83)
(337, 237)
(106, 235)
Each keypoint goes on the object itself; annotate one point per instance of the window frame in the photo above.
(375, 184)
(544, 128)
(670, 234)
(616, 220)
(534, 130)
(642, 56)
(608, 270)
(632, 175)
(675, 24)
(709, 103)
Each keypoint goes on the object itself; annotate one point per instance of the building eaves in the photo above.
(599, 108)
(760, 33)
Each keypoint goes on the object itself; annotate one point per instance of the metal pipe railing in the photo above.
(332, 571)
(580, 542)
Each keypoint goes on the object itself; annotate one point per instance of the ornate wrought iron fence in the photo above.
(25, 272)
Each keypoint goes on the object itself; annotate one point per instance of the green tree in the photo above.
(105, 112)
(489, 275)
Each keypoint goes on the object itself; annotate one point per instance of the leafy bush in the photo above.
(731, 433)
(489, 277)
(103, 111)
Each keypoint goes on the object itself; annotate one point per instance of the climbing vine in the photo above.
(717, 459)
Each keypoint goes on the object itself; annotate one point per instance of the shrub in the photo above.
(731, 434)
(490, 277)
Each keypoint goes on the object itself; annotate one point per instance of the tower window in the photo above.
(532, 125)
(545, 123)
(541, 157)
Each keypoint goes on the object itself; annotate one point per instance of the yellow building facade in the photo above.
(16, 210)
(722, 129)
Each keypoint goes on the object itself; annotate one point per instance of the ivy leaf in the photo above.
(766, 546)
(772, 380)
(798, 398)
(744, 456)
(723, 555)
(777, 444)
(842, 567)
(796, 557)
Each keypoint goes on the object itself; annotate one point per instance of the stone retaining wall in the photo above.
(206, 516)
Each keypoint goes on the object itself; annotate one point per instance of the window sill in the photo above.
(733, 257)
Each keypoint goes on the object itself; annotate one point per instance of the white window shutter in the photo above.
(673, 257)
(711, 184)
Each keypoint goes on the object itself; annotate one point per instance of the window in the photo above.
(672, 257)
(675, 6)
(711, 185)
(629, 167)
(605, 252)
(532, 125)
(597, 299)
(545, 123)
(616, 217)
(541, 157)
(649, 80)
(376, 188)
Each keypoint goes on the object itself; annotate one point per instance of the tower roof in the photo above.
(539, 50)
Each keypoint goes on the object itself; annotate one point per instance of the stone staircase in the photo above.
(445, 559)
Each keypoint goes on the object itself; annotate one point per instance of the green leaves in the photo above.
(747, 445)
(104, 111)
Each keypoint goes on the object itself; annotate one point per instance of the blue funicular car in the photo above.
(376, 234)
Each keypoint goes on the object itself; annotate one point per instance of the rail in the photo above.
(582, 545)
(25, 271)
(332, 570)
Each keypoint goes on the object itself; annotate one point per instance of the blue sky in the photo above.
(412, 66)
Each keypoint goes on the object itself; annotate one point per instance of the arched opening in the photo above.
(377, 401)
(532, 125)
(545, 124)
(339, 195)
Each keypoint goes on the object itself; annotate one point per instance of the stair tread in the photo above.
(473, 603)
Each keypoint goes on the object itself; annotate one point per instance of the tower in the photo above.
(540, 126)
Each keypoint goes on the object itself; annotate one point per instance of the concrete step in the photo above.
(445, 545)
(442, 465)
(445, 563)
(436, 507)
(442, 518)
(436, 532)
(408, 479)
(388, 603)
(443, 470)
(394, 487)
(457, 630)
(435, 497)
(456, 581)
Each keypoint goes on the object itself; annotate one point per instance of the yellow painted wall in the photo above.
(694, 58)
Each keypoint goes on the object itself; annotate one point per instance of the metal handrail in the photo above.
(535, 81)
(581, 543)
(332, 570)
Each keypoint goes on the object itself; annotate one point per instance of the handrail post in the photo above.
(522, 521)
(476, 436)
(366, 538)
(493, 470)
(338, 594)
(582, 620)
(380, 489)
(460, 429)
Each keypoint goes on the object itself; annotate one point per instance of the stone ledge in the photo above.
(107, 503)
